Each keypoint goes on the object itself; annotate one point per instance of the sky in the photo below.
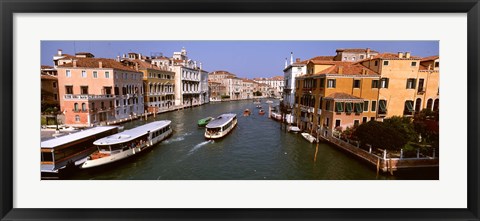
(244, 58)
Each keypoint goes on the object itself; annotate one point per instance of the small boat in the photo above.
(309, 137)
(246, 112)
(203, 122)
(128, 143)
(269, 102)
(293, 129)
(276, 116)
(220, 126)
(259, 106)
(261, 112)
(257, 102)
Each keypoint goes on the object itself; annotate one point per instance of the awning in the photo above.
(358, 107)
(338, 107)
(382, 104)
(348, 107)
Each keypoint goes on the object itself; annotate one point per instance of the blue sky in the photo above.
(243, 58)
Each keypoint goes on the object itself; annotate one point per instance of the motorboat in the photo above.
(309, 137)
(246, 112)
(293, 129)
(261, 112)
(203, 122)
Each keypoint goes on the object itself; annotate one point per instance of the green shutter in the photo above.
(409, 105)
(348, 107)
(382, 105)
(358, 108)
(339, 107)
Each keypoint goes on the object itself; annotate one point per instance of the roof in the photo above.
(342, 96)
(430, 58)
(45, 67)
(394, 56)
(94, 63)
(132, 134)
(322, 58)
(348, 69)
(221, 120)
(355, 50)
(220, 72)
(52, 143)
(48, 77)
(328, 62)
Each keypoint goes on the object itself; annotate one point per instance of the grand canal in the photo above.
(259, 148)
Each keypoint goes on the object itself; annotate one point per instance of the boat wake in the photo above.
(180, 138)
(201, 145)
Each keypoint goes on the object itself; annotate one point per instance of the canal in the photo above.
(257, 149)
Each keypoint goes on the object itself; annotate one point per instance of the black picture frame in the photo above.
(9, 7)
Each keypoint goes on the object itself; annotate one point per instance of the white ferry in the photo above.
(128, 143)
(220, 126)
(71, 150)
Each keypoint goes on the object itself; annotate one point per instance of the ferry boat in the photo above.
(203, 122)
(221, 126)
(128, 143)
(70, 150)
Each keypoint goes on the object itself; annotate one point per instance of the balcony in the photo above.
(88, 97)
(80, 111)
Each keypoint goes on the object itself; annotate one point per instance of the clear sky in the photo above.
(244, 58)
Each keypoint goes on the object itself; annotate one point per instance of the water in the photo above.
(257, 149)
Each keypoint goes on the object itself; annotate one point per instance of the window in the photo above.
(327, 121)
(437, 64)
(107, 74)
(414, 63)
(385, 63)
(84, 107)
(69, 89)
(362, 57)
(331, 83)
(375, 84)
(365, 106)
(68, 73)
(384, 83)
(356, 83)
(338, 107)
(337, 123)
(84, 74)
(376, 63)
(54, 84)
(55, 96)
(327, 105)
(372, 118)
(374, 106)
(322, 82)
(382, 106)
(95, 74)
(75, 107)
(77, 118)
(420, 85)
(364, 120)
(356, 123)
(429, 104)
(411, 83)
(84, 89)
(358, 108)
(353, 58)
(408, 108)
(348, 107)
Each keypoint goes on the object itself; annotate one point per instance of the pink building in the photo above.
(95, 91)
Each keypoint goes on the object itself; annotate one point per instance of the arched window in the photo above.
(429, 104)
(84, 107)
(418, 105)
(77, 118)
(75, 107)
(436, 104)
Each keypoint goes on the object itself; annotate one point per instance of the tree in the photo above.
(403, 126)
(380, 135)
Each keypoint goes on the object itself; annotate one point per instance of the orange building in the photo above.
(98, 91)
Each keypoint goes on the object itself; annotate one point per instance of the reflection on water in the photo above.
(257, 149)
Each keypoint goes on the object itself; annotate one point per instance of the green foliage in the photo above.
(43, 120)
(426, 124)
(225, 96)
(403, 126)
(380, 135)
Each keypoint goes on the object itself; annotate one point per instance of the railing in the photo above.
(87, 96)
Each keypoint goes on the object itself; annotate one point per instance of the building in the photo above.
(217, 90)
(49, 88)
(276, 85)
(97, 91)
(158, 85)
(354, 54)
(247, 88)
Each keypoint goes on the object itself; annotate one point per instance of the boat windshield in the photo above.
(213, 130)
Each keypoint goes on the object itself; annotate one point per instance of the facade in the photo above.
(97, 91)
(289, 74)
(335, 95)
(247, 88)
(49, 87)
(216, 90)
(276, 85)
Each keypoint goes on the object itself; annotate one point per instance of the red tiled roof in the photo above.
(93, 63)
(220, 72)
(355, 50)
(46, 67)
(343, 96)
(328, 62)
(430, 58)
(394, 56)
(323, 58)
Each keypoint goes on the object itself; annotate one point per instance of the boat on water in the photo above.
(246, 112)
(261, 112)
(70, 150)
(276, 116)
(127, 143)
(257, 102)
(259, 106)
(309, 137)
(220, 126)
(203, 122)
(293, 129)
(269, 102)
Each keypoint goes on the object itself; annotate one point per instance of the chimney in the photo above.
(100, 64)
(368, 50)
(340, 69)
(136, 66)
(407, 54)
(118, 58)
(297, 59)
(74, 63)
(124, 55)
(429, 67)
(139, 56)
(59, 52)
(400, 54)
